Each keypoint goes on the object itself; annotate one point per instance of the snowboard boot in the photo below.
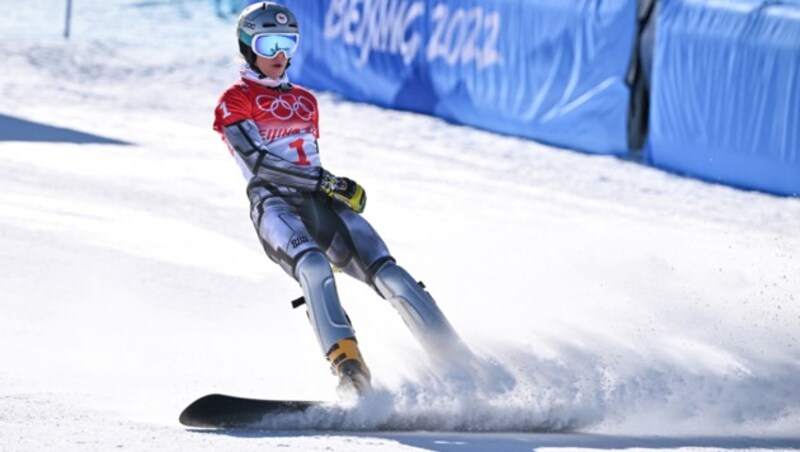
(348, 364)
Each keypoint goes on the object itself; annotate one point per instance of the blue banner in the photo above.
(726, 92)
(551, 70)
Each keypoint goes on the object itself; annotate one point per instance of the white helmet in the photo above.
(266, 29)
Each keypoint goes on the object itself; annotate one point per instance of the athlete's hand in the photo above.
(345, 190)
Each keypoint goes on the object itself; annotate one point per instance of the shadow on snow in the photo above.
(16, 129)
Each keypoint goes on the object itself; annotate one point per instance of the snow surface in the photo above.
(634, 308)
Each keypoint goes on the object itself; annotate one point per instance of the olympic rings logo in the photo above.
(286, 106)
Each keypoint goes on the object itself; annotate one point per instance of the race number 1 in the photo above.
(225, 112)
(302, 158)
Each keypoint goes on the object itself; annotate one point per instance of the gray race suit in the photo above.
(304, 231)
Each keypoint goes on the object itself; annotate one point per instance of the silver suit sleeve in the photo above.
(244, 139)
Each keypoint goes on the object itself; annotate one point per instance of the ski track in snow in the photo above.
(622, 306)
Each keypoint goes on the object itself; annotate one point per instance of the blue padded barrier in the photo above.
(551, 70)
(726, 92)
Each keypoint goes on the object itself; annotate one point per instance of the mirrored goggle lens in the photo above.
(270, 45)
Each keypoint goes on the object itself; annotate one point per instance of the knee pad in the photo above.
(322, 300)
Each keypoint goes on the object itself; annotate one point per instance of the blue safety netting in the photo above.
(550, 70)
(726, 92)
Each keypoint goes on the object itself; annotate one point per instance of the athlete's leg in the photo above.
(325, 312)
(289, 235)
(287, 241)
(419, 311)
(350, 242)
(359, 251)
(356, 248)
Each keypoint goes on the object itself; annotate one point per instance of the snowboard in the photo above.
(224, 411)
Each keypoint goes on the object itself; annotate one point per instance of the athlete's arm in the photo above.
(243, 137)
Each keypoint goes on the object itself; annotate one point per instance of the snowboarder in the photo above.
(306, 218)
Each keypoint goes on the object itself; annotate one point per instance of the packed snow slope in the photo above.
(629, 307)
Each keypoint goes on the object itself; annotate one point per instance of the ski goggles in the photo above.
(270, 45)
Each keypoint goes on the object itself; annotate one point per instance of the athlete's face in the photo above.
(272, 67)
